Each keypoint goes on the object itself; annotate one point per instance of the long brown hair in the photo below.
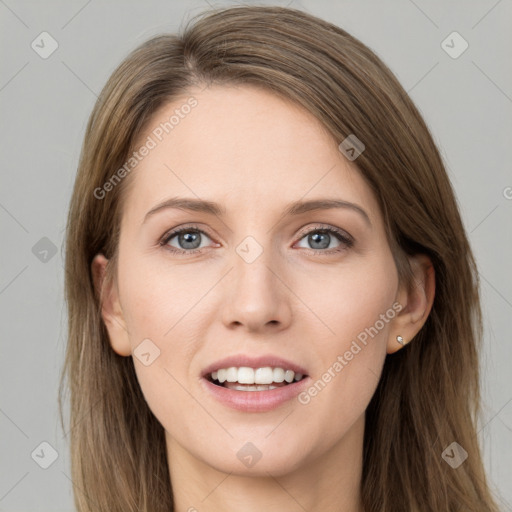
(428, 395)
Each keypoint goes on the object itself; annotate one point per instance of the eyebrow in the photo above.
(295, 208)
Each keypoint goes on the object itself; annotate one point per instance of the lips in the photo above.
(254, 384)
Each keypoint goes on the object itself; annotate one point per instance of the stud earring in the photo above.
(400, 340)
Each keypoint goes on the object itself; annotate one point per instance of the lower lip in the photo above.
(255, 401)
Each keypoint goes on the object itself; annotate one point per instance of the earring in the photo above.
(400, 340)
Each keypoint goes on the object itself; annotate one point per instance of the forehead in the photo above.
(244, 147)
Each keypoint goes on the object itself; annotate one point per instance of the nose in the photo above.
(257, 297)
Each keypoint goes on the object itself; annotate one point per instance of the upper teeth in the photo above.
(245, 375)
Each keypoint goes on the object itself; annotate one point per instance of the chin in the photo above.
(259, 456)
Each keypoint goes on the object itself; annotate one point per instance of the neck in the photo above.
(329, 482)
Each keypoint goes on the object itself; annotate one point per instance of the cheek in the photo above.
(353, 350)
(349, 298)
(159, 298)
(160, 307)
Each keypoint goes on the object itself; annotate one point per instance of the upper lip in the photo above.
(240, 360)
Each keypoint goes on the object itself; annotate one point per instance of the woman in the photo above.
(272, 300)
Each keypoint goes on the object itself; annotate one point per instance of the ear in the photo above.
(416, 303)
(111, 311)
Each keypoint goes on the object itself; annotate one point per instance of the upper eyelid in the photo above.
(320, 226)
(175, 231)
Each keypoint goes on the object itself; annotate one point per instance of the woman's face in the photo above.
(253, 282)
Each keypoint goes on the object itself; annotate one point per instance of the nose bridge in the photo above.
(252, 262)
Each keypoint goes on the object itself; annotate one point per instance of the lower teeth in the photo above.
(249, 387)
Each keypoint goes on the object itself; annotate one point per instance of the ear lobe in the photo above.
(416, 301)
(111, 312)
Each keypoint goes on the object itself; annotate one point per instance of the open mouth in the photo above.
(254, 379)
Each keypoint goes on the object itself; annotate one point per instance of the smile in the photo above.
(254, 379)
(254, 384)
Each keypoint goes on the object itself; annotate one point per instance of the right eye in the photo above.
(188, 240)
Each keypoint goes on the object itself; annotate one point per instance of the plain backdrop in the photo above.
(466, 99)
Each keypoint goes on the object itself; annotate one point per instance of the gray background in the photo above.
(44, 107)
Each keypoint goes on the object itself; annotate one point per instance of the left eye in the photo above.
(322, 238)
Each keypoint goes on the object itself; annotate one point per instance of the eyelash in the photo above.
(339, 234)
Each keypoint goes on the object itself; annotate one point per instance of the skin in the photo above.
(254, 153)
